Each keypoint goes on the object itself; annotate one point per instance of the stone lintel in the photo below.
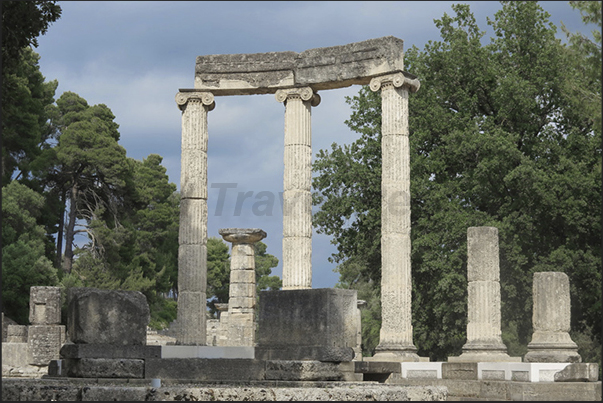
(320, 68)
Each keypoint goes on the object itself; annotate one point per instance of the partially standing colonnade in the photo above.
(295, 79)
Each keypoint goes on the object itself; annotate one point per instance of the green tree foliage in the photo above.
(24, 263)
(25, 129)
(496, 139)
(218, 272)
(89, 167)
(24, 93)
(138, 248)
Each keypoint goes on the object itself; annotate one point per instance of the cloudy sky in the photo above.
(134, 56)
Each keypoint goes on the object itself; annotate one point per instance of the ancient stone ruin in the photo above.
(305, 342)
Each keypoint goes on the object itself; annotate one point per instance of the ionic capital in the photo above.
(205, 98)
(397, 80)
(305, 93)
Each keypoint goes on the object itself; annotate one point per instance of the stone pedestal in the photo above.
(297, 183)
(317, 324)
(551, 341)
(395, 343)
(484, 342)
(241, 301)
(192, 239)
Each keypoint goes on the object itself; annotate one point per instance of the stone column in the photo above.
(297, 183)
(395, 343)
(192, 239)
(551, 316)
(484, 342)
(241, 301)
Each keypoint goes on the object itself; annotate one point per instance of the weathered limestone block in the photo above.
(109, 351)
(551, 341)
(107, 316)
(44, 343)
(302, 321)
(578, 372)
(16, 334)
(203, 369)
(285, 370)
(104, 368)
(45, 305)
(320, 68)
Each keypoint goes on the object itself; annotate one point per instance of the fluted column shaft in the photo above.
(483, 289)
(297, 183)
(484, 341)
(396, 286)
(192, 238)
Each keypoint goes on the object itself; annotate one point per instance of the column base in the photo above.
(552, 355)
(474, 352)
(396, 353)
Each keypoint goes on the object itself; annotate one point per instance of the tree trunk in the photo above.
(70, 230)
(59, 257)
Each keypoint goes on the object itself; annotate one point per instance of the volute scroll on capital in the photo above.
(206, 98)
(397, 80)
(305, 93)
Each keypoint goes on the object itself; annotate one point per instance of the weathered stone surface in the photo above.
(45, 305)
(107, 316)
(103, 368)
(241, 303)
(377, 367)
(294, 370)
(551, 312)
(16, 334)
(484, 340)
(317, 353)
(323, 317)
(395, 338)
(459, 370)
(15, 354)
(578, 372)
(46, 390)
(109, 351)
(242, 235)
(201, 369)
(44, 342)
(319, 68)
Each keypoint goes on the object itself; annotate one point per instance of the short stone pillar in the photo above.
(395, 340)
(46, 335)
(192, 238)
(45, 305)
(551, 316)
(484, 341)
(297, 185)
(241, 300)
